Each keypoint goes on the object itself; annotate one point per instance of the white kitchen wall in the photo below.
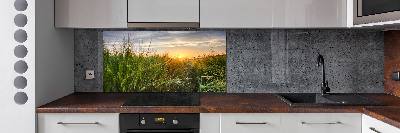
(36, 64)
(54, 56)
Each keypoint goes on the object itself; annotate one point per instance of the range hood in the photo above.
(164, 13)
(164, 25)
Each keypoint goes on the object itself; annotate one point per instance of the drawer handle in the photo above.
(64, 123)
(321, 123)
(254, 123)
(373, 129)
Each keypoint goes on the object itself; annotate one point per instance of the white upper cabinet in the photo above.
(90, 13)
(236, 13)
(310, 13)
(143, 11)
(273, 13)
(210, 13)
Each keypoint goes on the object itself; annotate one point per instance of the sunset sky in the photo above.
(183, 44)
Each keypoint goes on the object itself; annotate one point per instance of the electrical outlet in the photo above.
(89, 74)
(396, 75)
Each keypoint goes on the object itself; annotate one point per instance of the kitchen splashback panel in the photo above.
(263, 60)
(164, 61)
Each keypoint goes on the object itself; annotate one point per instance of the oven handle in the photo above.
(162, 131)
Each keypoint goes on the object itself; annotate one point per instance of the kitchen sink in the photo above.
(317, 99)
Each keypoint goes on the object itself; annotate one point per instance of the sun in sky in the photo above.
(179, 56)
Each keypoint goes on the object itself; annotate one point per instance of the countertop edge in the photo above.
(202, 110)
(219, 103)
(381, 117)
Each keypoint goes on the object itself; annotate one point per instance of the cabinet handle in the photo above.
(322, 123)
(251, 122)
(373, 129)
(64, 123)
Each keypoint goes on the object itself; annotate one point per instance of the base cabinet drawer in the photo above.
(78, 123)
(321, 123)
(209, 122)
(250, 123)
(372, 125)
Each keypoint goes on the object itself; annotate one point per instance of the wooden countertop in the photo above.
(219, 103)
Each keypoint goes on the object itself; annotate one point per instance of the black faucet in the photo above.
(324, 85)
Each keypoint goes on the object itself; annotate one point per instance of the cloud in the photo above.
(167, 39)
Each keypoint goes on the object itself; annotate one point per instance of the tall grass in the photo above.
(126, 70)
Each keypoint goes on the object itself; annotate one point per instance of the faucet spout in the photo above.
(324, 84)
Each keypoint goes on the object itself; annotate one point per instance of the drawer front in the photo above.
(372, 125)
(78, 123)
(330, 123)
(321, 123)
(209, 122)
(250, 123)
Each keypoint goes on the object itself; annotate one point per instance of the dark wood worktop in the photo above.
(387, 115)
(219, 103)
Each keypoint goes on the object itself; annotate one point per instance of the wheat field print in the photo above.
(164, 61)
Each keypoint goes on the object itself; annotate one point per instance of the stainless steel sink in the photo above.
(316, 99)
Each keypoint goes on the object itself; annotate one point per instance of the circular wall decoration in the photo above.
(20, 5)
(20, 67)
(20, 82)
(20, 20)
(20, 98)
(20, 51)
(20, 36)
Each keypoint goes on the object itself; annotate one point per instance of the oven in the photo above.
(159, 123)
(374, 11)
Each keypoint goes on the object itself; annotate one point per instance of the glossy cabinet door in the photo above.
(163, 11)
(321, 123)
(250, 123)
(273, 13)
(236, 13)
(209, 122)
(90, 13)
(310, 13)
(78, 123)
(372, 125)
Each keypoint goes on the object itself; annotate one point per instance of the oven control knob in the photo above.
(143, 122)
(175, 122)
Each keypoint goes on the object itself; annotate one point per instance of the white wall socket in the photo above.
(89, 74)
